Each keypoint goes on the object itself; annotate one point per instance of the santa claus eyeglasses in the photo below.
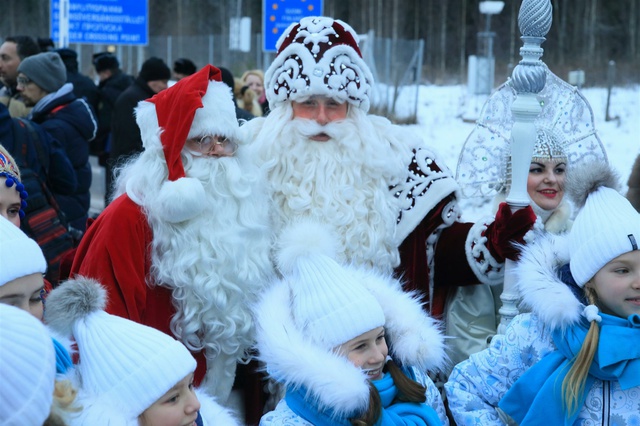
(216, 146)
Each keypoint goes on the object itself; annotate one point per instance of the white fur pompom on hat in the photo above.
(179, 200)
(124, 366)
(320, 304)
(606, 225)
(329, 305)
(303, 238)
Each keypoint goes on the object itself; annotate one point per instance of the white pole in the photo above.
(63, 24)
(528, 79)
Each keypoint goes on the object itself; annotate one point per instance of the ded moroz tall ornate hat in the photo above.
(319, 56)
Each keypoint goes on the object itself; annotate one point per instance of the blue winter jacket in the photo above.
(56, 171)
(73, 122)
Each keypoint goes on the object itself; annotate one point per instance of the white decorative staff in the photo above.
(528, 79)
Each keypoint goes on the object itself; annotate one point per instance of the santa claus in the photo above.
(378, 185)
(184, 246)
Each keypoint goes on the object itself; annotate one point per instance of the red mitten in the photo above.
(508, 228)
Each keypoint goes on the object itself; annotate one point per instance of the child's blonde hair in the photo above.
(574, 382)
(64, 397)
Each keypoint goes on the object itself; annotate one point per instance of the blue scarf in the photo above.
(539, 389)
(63, 359)
(393, 414)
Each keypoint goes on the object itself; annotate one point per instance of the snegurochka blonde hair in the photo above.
(574, 382)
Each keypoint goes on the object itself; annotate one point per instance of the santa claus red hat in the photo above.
(198, 105)
(319, 56)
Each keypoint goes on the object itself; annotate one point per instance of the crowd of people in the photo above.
(272, 254)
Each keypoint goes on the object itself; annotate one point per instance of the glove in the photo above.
(508, 228)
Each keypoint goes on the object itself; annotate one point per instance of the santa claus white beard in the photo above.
(216, 263)
(343, 182)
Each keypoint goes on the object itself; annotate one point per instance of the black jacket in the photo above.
(125, 134)
(109, 90)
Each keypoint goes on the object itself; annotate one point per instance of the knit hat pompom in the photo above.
(65, 309)
(331, 305)
(305, 238)
(584, 180)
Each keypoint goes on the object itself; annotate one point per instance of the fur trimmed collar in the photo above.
(539, 284)
(559, 220)
(295, 360)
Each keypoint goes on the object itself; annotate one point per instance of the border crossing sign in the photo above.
(279, 14)
(104, 21)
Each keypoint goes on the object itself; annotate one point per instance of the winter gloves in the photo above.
(508, 228)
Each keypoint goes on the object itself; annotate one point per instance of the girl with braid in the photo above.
(574, 359)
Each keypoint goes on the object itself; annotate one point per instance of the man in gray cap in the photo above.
(42, 81)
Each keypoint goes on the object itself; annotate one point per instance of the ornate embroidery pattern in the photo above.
(423, 172)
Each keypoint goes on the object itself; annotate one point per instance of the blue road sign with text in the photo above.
(104, 21)
(279, 14)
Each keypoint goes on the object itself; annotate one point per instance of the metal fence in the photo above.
(396, 64)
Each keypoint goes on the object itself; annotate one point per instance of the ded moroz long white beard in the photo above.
(343, 182)
(216, 263)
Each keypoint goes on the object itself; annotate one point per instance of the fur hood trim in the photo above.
(95, 412)
(539, 285)
(291, 359)
(560, 219)
(582, 181)
(213, 413)
(414, 339)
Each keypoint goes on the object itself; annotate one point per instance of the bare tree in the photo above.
(463, 40)
(443, 38)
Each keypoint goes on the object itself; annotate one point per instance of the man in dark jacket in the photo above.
(112, 83)
(83, 86)
(42, 83)
(126, 140)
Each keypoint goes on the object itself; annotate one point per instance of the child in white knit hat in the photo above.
(323, 332)
(27, 368)
(575, 359)
(22, 266)
(128, 373)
